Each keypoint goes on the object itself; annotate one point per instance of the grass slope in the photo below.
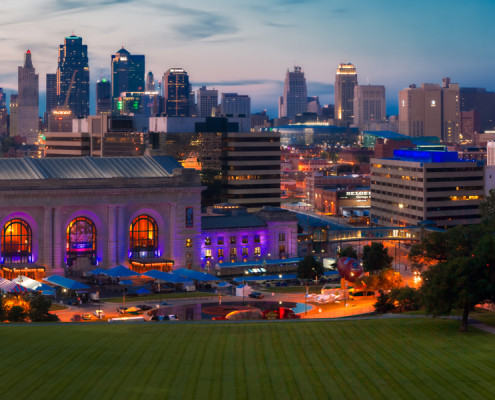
(374, 359)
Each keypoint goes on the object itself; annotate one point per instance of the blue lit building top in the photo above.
(426, 156)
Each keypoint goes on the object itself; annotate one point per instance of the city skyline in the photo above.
(248, 48)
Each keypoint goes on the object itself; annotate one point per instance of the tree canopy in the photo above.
(309, 268)
(464, 275)
(375, 257)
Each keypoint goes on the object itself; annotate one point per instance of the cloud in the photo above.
(62, 5)
(204, 26)
(319, 88)
(239, 83)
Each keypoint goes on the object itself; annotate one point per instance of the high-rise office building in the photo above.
(103, 97)
(434, 186)
(483, 103)
(235, 105)
(345, 81)
(431, 110)
(28, 100)
(150, 82)
(176, 92)
(369, 104)
(295, 98)
(14, 115)
(207, 100)
(127, 73)
(4, 115)
(51, 92)
(73, 76)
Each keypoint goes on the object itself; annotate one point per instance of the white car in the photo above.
(99, 314)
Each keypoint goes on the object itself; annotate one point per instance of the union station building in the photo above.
(66, 216)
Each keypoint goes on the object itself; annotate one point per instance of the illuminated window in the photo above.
(207, 252)
(257, 239)
(281, 250)
(257, 251)
(245, 252)
(143, 241)
(220, 240)
(244, 239)
(233, 252)
(17, 240)
(281, 237)
(220, 253)
(188, 242)
(233, 240)
(208, 241)
(81, 238)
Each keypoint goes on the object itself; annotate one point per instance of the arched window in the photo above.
(17, 239)
(143, 242)
(81, 238)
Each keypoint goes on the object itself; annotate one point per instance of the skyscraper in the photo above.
(103, 97)
(150, 82)
(4, 125)
(51, 92)
(207, 99)
(295, 98)
(73, 76)
(345, 81)
(369, 104)
(127, 73)
(234, 105)
(176, 92)
(28, 100)
(431, 110)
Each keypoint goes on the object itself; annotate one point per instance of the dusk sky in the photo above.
(246, 46)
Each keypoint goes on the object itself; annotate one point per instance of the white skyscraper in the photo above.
(295, 98)
(345, 81)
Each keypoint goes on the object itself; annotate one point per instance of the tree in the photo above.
(344, 169)
(39, 309)
(16, 314)
(487, 206)
(348, 251)
(466, 277)
(375, 257)
(408, 298)
(383, 303)
(309, 268)
(386, 279)
(2, 310)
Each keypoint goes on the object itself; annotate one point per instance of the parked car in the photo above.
(99, 314)
(87, 317)
(256, 295)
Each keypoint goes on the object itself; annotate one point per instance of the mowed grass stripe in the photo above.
(310, 359)
(438, 365)
(423, 358)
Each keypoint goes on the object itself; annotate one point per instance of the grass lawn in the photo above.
(163, 296)
(485, 316)
(369, 359)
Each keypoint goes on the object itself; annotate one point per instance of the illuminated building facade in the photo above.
(73, 76)
(176, 92)
(431, 110)
(28, 100)
(103, 97)
(345, 82)
(51, 93)
(127, 72)
(65, 216)
(230, 235)
(4, 115)
(416, 186)
(295, 98)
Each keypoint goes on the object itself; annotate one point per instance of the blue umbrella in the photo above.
(143, 291)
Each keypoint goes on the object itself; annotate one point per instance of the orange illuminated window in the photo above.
(17, 240)
(143, 241)
(81, 238)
